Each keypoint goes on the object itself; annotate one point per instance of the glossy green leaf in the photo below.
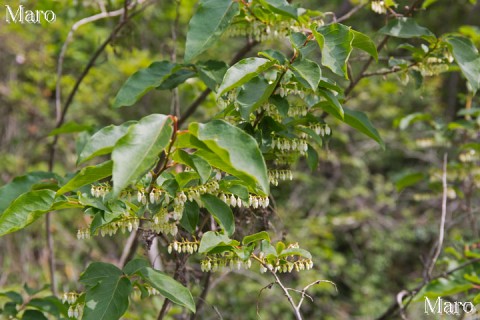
(211, 72)
(263, 235)
(169, 287)
(333, 106)
(295, 251)
(178, 75)
(141, 82)
(335, 41)
(190, 216)
(69, 127)
(211, 239)
(97, 272)
(20, 185)
(468, 58)
(360, 121)
(136, 152)
(363, 42)
(307, 72)
(135, 265)
(13, 296)
(108, 300)
(102, 141)
(195, 162)
(253, 94)
(51, 305)
(243, 71)
(25, 210)
(408, 179)
(220, 211)
(207, 25)
(33, 315)
(404, 27)
(86, 176)
(281, 7)
(235, 148)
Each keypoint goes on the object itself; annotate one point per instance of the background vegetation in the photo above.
(369, 217)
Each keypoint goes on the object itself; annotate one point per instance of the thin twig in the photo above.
(441, 233)
(129, 249)
(268, 286)
(350, 13)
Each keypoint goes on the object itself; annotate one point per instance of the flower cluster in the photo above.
(320, 129)
(151, 290)
(284, 144)
(379, 7)
(70, 297)
(161, 222)
(126, 223)
(297, 111)
(100, 190)
(75, 311)
(257, 202)
(287, 266)
(231, 200)
(275, 175)
(153, 196)
(83, 234)
(260, 31)
(218, 262)
(183, 246)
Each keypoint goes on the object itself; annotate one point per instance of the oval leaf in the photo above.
(236, 148)
(333, 107)
(136, 152)
(102, 141)
(26, 209)
(335, 41)
(404, 27)
(169, 287)
(210, 240)
(363, 42)
(308, 71)
(360, 121)
(467, 57)
(243, 71)
(220, 211)
(208, 24)
(141, 82)
(86, 176)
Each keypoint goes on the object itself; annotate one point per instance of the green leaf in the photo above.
(211, 240)
(263, 235)
(220, 211)
(410, 119)
(253, 94)
(312, 158)
(307, 72)
(295, 251)
(13, 296)
(86, 176)
(20, 185)
(97, 272)
(135, 265)
(69, 127)
(333, 107)
(191, 213)
(242, 71)
(408, 179)
(360, 121)
(335, 41)
(235, 148)
(102, 141)
(33, 315)
(50, 305)
(404, 27)
(467, 57)
(207, 25)
(363, 42)
(136, 152)
(195, 162)
(25, 210)
(108, 300)
(179, 75)
(281, 7)
(169, 288)
(211, 72)
(141, 82)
